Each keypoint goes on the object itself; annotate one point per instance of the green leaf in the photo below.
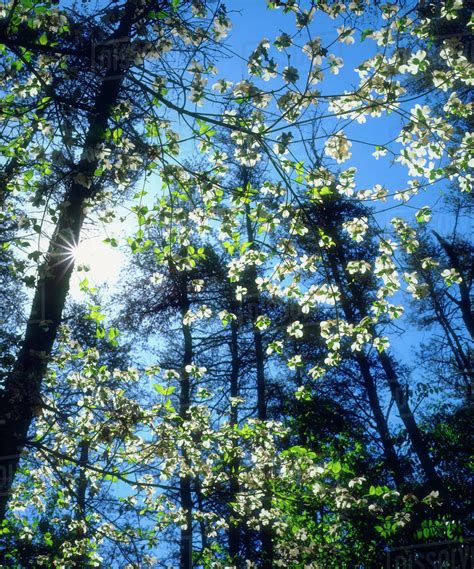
(151, 130)
(112, 333)
(365, 33)
(164, 390)
(111, 241)
(117, 134)
(423, 215)
(111, 477)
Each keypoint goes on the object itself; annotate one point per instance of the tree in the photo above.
(442, 266)
(256, 425)
(103, 62)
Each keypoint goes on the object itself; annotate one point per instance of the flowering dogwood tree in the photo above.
(270, 272)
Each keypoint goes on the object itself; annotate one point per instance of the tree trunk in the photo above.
(234, 529)
(235, 369)
(462, 359)
(465, 302)
(391, 458)
(200, 505)
(185, 492)
(396, 390)
(254, 307)
(406, 415)
(350, 298)
(21, 398)
(254, 297)
(82, 480)
(82, 558)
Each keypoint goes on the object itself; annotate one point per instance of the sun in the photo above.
(97, 261)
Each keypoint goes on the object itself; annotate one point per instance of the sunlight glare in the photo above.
(102, 261)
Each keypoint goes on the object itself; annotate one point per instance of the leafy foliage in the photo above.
(242, 396)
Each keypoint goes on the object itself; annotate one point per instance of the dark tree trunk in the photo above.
(462, 359)
(81, 496)
(336, 270)
(82, 480)
(349, 298)
(406, 415)
(234, 529)
(200, 502)
(391, 458)
(465, 303)
(21, 398)
(253, 303)
(352, 301)
(185, 491)
(254, 300)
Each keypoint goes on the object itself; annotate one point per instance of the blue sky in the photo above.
(252, 21)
